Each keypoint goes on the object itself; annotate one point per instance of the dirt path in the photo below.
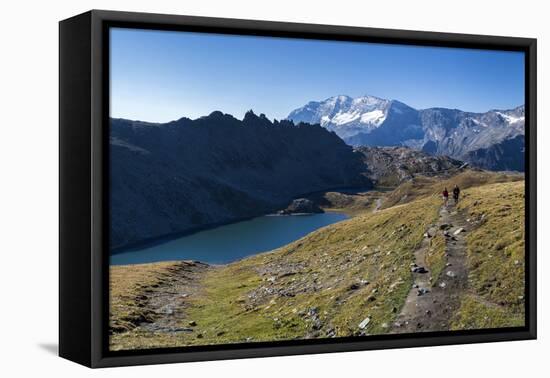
(170, 299)
(430, 307)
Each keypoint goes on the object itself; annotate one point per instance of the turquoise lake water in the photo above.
(231, 242)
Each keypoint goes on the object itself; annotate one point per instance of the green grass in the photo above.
(496, 255)
(475, 314)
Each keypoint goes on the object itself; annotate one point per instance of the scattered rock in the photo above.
(445, 226)
(200, 336)
(458, 231)
(442, 285)
(317, 324)
(313, 311)
(354, 286)
(419, 269)
(451, 274)
(364, 323)
(176, 330)
(421, 291)
(192, 323)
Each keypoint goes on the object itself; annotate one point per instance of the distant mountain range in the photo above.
(189, 174)
(493, 140)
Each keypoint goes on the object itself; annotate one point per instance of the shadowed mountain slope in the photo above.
(190, 174)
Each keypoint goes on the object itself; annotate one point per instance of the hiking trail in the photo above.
(430, 307)
(169, 301)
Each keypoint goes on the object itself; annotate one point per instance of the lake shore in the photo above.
(231, 242)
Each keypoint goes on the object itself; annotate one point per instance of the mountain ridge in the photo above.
(469, 136)
(187, 174)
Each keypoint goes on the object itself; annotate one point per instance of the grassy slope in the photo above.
(422, 186)
(127, 284)
(306, 289)
(496, 256)
(317, 286)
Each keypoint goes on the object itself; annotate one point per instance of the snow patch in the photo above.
(479, 123)
(375, 117)
(342, 118)
(511, 119)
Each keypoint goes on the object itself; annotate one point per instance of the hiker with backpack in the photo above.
(456, 193)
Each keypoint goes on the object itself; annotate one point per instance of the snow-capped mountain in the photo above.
(344, 115)
(492, 140)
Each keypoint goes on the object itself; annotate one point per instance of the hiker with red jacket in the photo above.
(445, 196)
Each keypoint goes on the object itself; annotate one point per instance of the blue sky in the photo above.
(159, 76)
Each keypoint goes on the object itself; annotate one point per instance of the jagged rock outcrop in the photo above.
(301, 206)
(190, 174)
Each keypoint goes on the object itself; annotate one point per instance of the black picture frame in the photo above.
(83, 166)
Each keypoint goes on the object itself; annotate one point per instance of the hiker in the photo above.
(445, 195)
(456, 193)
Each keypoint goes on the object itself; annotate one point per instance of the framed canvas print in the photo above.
(234, 188)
